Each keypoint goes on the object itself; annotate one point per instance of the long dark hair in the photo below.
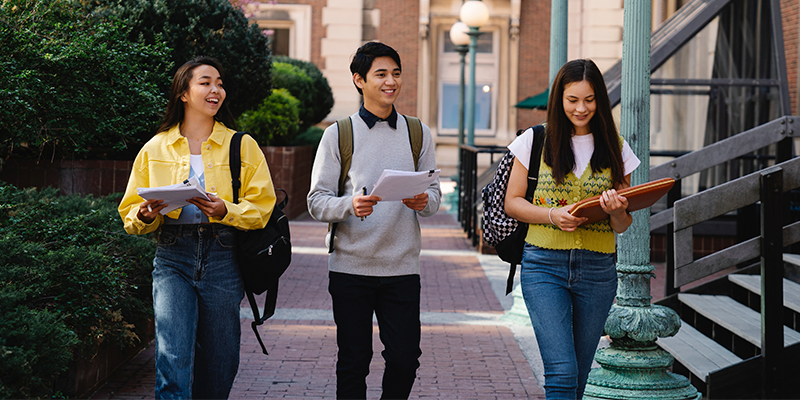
(180, 84)
(558, 146)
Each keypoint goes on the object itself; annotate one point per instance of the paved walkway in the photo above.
(468, 350)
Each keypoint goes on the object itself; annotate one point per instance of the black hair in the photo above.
(366, 54)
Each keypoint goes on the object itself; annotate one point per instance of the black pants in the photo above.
(395, 302)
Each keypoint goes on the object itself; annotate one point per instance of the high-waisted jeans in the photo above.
(196, 293)
(568, 294)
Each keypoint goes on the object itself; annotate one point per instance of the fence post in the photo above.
(673, 195)
(772, 283)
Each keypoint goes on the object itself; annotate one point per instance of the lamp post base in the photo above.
(640, 373)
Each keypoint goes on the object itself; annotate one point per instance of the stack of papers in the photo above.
(394, 185)
(174, 195)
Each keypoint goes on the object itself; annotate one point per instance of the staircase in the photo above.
(719, 343)
(740, 333)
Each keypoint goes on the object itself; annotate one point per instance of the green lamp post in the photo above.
(474, 13)
(460, 38)
(633, 367)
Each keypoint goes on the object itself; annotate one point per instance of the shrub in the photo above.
(70, 279)
(275, 122)
(321, 95)
(293, 79)
(214, 28)
(310, 137)
(75, 87)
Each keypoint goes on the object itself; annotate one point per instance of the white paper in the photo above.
(394, 185)
(174, 196)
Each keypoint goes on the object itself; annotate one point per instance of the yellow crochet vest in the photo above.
(597, 237)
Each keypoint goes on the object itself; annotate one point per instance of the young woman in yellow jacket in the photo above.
(197, 287)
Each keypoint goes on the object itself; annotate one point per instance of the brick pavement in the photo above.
(468, 352)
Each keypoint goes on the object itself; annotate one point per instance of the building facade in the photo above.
(512, 59)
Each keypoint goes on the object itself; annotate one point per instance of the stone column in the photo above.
(633, 367)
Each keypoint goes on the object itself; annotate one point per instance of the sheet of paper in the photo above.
(174, 195)
(394, 185)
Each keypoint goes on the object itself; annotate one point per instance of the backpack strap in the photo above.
(533, 180)
(270, 301)
(345, 126)
(415, 137)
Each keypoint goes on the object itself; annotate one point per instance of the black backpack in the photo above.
(499, 230)
(264, 254)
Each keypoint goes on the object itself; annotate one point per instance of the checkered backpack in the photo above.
(500, 230)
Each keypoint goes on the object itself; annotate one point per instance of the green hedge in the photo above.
(75, 87)
(275, 122)
(70, 279)
(320, 98)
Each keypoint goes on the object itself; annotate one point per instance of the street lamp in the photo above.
(460, 38)
(474, 13)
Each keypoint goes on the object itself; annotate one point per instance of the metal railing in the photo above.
(469, 187)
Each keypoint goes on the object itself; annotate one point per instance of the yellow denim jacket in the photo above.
(164, 160)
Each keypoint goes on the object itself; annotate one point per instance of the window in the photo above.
(486, 81)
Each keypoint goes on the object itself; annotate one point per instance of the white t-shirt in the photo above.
(582, 148)
(196, 161)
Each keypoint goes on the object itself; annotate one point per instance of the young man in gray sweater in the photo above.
(374, 267)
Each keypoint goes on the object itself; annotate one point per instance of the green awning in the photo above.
(539, 101)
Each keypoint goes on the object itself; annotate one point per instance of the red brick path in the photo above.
(459, 360)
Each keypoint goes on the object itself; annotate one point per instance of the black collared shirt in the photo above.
(370, 119)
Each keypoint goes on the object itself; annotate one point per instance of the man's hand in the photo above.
(214, 208)
(418, 202)
(362, 205)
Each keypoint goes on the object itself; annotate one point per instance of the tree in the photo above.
(213, 28)
(75, 87)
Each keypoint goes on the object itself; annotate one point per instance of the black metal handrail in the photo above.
(468, 197)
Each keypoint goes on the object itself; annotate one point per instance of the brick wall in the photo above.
(96, 177)
(534, 57)
(790, 9)
(399, 28)
(290, 169)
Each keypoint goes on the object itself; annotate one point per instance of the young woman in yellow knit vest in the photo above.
(568, 274)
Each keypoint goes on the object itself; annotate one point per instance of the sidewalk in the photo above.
(468, 351)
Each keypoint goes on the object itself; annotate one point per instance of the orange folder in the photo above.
(639, 197)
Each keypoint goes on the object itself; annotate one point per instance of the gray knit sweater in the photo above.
(386, 243)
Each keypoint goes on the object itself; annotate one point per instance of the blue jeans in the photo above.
(395, 302)
(568, 294)
(196, 293)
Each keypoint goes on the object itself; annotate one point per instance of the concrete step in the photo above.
(734, 316)
(698, 353)
(791, 290)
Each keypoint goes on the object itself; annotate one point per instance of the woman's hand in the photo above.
(564, 220)
(613, 204)
(617, 207)
(211, 208)
(149, 209)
